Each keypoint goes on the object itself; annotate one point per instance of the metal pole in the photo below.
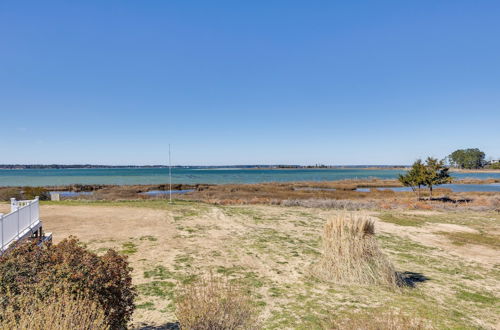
(170, 173)
(1, 238)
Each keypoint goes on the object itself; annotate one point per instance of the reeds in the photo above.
(351, 253)
(343, 204)
(214, 302)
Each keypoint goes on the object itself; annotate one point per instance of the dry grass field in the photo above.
(450, 258)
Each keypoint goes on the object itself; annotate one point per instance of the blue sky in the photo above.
(233, 82)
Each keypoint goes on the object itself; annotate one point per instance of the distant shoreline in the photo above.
(233, 167)
(452, 169)
(484, 170)
(243, 167)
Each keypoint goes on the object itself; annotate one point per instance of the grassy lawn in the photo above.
(270, 250)
(461, 238)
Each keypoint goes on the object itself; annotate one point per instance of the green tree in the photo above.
(435, 173)
(414, 178)
(467, 158)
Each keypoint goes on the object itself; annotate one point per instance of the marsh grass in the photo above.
(333, 194)
(343, 204)
(351, 253)
(215, 302)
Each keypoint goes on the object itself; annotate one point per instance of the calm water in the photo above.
(47, 177)
(454, 187)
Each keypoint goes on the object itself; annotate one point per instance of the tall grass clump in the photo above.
(214, 302)
(60, 310)
(351, 253)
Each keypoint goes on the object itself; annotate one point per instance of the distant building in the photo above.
(495, 161)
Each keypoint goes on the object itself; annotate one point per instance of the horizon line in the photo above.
(210, 165)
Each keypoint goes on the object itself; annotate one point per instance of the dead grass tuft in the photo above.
(351, 253)
(214, 302)
(58, 311)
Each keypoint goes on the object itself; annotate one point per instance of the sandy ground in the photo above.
(105, 223)
(274, 246)
(428, 235)
(90, 223)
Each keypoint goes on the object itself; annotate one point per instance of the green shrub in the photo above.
(32, 192)
(494, 166)
(7, 193)
(105, 279)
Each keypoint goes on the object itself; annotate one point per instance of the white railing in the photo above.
(23, 220)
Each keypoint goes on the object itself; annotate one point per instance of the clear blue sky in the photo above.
(233, 82)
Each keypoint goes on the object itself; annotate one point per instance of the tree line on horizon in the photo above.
(471, 158)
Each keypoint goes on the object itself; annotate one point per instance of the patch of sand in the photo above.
(449, 227)
(102, 223)
(428, 235)
(4, 208)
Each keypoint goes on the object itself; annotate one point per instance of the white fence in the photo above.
(22, 221)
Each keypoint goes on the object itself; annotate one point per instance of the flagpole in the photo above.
(169, 174)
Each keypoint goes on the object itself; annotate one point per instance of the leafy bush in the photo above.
(32, 192)
(214, 303)
(494, 166)
(61, 310)
(7, 193)
(105, 279)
